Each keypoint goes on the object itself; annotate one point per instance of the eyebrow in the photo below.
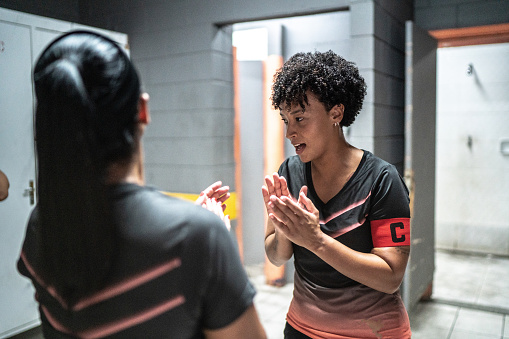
(295, 111)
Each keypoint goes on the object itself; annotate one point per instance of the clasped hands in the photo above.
(213, 198)
(297, 220)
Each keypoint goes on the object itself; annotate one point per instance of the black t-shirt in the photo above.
(176, 272)
(374, 198)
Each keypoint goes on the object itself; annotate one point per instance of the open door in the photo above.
(420, 127)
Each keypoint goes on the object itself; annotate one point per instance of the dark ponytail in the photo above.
(87, 99)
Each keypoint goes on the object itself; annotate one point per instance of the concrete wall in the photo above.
(388, 77)
(180, 51)
(430, 14)
(184, 57)
(68, 10)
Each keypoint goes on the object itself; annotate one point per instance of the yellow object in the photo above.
(231, 203)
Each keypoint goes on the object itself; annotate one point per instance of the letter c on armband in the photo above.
(390, 232)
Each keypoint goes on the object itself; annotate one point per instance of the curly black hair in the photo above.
(331, 78)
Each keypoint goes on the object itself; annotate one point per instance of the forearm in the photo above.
(277, 247)
(247, 326)
(382, 269)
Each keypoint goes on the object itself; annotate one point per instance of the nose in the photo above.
(290, 131)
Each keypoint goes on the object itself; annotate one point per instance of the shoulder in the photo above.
(375, 162)
(378, 168)
(292, 165)
(379, 176)
(149, 213)
(384, 178)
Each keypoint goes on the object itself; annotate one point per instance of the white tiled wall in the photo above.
(472, 173)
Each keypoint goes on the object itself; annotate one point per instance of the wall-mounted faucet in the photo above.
(470, 69)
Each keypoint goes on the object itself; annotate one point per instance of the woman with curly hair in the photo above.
(342, 212)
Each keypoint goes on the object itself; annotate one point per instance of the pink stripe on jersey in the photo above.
(352, 206)
(51, 290)
(346, 229)
(111, 291)
(127, 284)
(121, 324)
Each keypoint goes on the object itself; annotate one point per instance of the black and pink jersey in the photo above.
(176, 273)
(371, 210)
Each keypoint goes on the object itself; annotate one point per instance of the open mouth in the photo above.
(299, 148)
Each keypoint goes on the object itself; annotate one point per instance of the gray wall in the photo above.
(184, 58)
(388, 77)
(181, 51)
(68, 10)
(443, 14)
(185, 61)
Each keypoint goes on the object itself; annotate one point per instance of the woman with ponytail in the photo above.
(108, 256)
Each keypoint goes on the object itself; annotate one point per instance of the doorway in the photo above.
(254, 43)
(473, 149)
(472, 218)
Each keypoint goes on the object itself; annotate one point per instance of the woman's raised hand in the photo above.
(297, 220)
(214, 191)
(213, 198)
(274, 185)
(216, 207)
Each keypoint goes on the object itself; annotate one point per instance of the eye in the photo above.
(285, 121)
(299, 119)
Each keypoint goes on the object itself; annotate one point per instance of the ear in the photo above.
(143, 113)
(336, 113)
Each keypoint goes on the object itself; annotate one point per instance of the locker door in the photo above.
(18, 309)
(22, 39)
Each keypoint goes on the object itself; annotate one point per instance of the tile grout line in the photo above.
(470, 306)
(485, 277)
(503, 326)
(451, 330)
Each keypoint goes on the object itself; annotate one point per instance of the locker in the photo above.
(22, 38)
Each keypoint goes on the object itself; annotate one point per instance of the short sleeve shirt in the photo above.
(176, 273)
(371, 210)
(359, 216)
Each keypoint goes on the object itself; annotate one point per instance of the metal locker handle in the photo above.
(30, 192)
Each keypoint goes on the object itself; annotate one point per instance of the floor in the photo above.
(470, 300)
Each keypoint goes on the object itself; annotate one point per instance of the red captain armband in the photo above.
(390, 232)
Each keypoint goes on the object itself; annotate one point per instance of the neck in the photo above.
(340, 156)
(128, 171)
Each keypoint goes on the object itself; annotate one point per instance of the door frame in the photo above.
(468, 36)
